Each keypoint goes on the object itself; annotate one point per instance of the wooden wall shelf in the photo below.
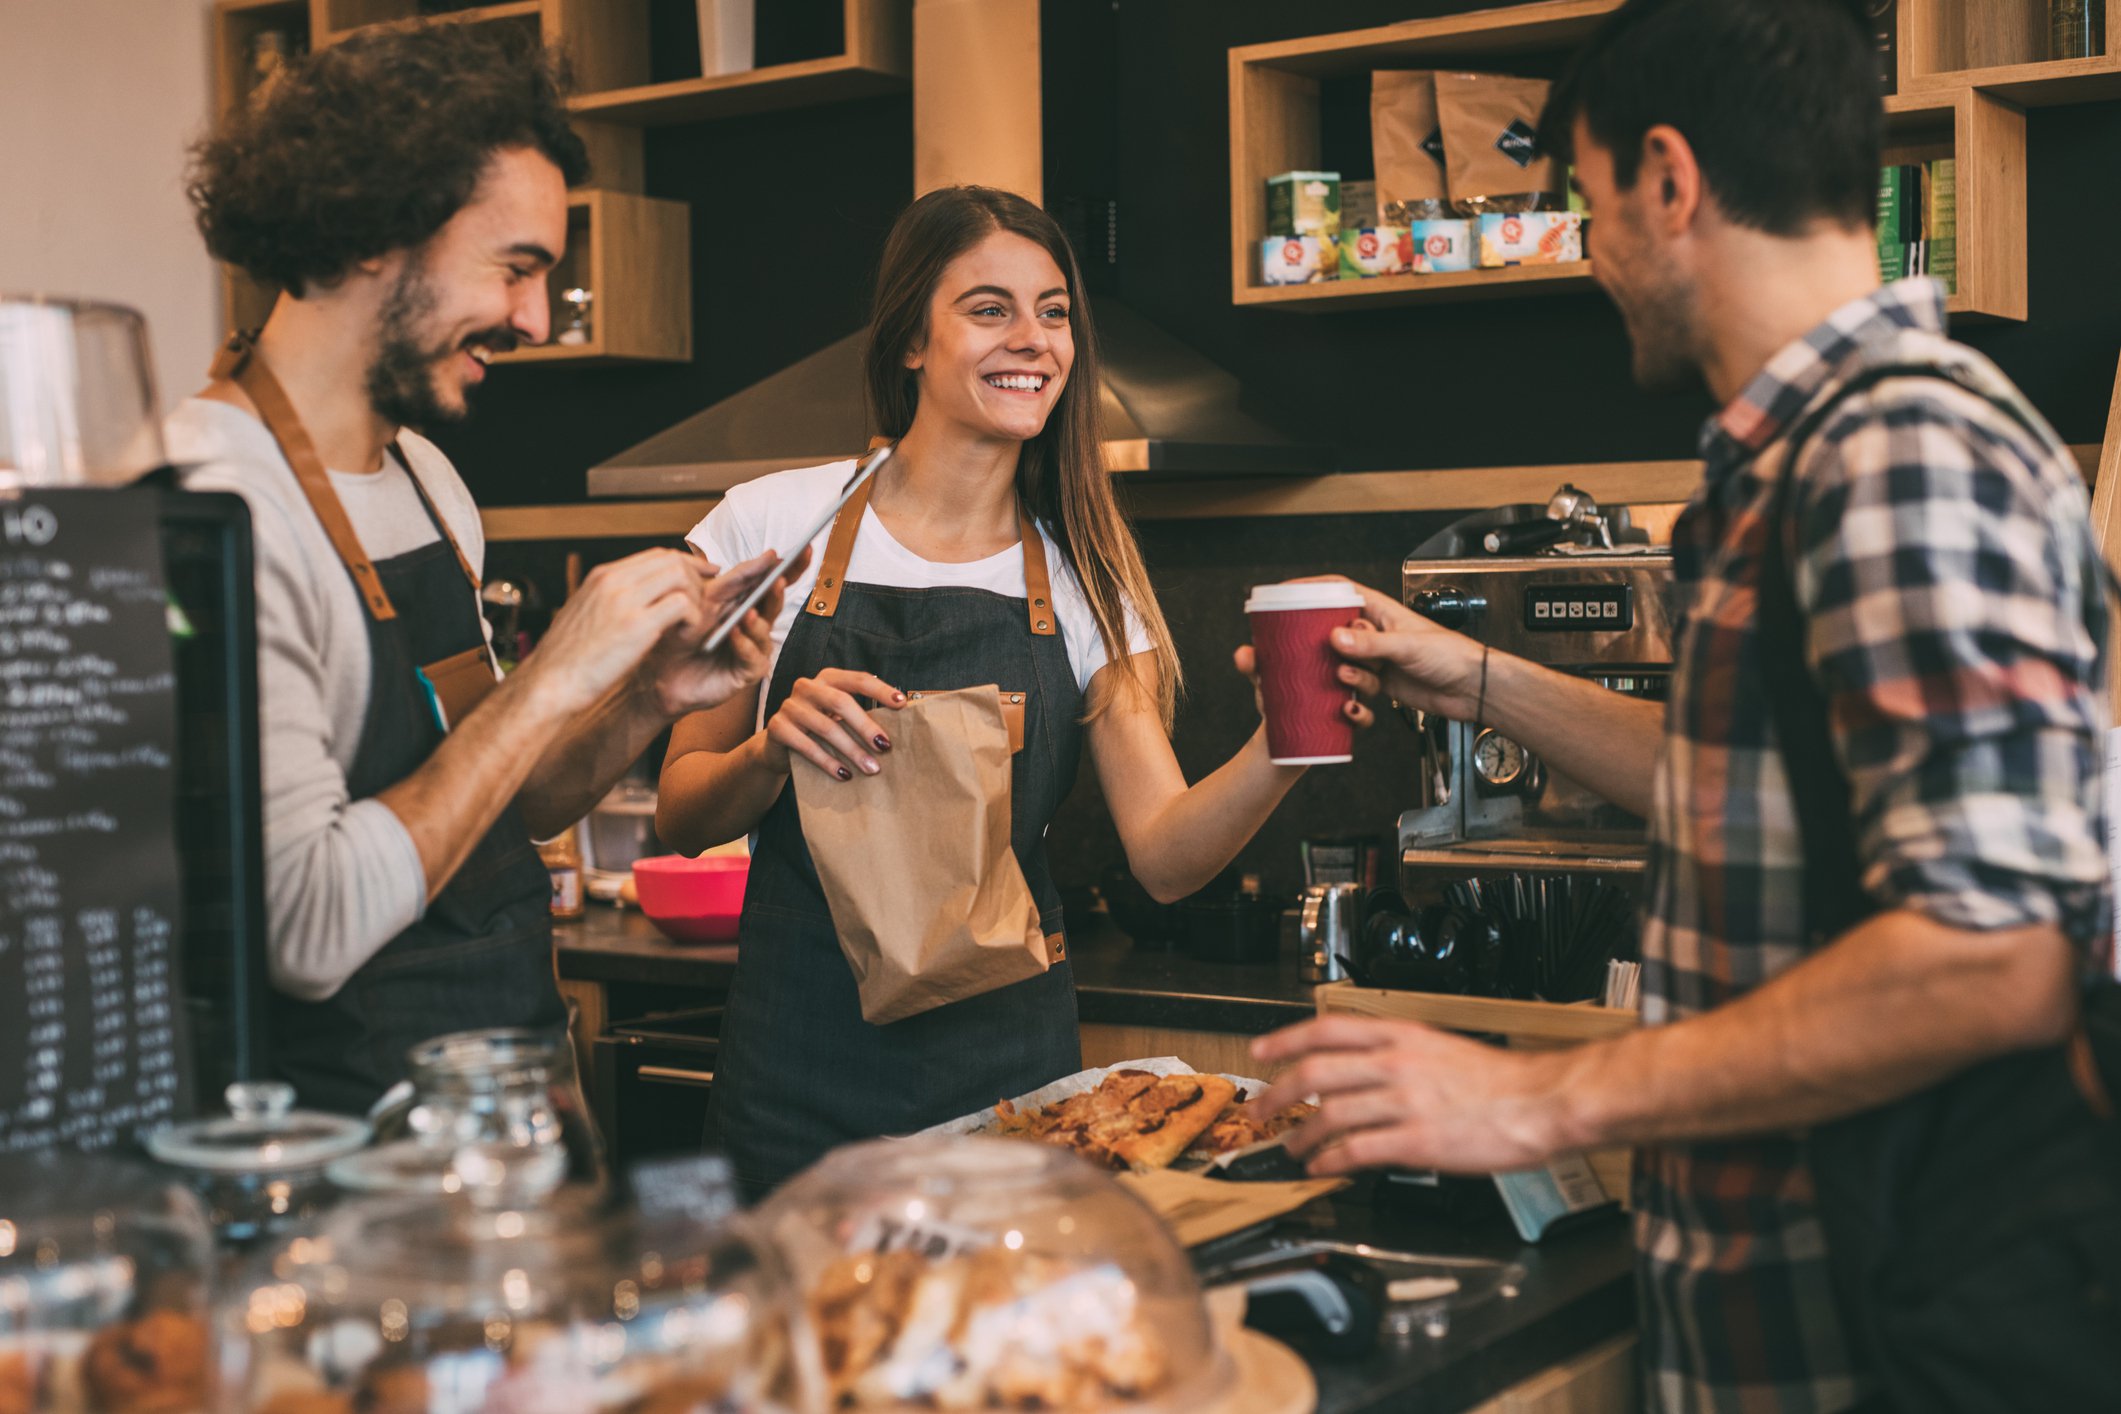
(1985, 135)
(878, 59)
(634, 255)
(1387, 290)
(2000, 47)
(338, 19)
(1274, 127)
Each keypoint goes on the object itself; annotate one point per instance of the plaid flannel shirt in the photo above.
(1955, 621)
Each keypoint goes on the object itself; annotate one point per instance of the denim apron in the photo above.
(799, 1070)
(481, 954)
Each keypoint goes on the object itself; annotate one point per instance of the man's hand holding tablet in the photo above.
(862, 472)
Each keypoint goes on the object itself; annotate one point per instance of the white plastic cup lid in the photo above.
(1318, 594)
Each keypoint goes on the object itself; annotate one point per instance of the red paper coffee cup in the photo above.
(1299, 683)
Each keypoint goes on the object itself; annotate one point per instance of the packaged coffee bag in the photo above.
(1492, 161)
(1408, 146)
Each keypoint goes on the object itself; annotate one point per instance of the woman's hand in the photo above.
(1360, 680)
(823, 723)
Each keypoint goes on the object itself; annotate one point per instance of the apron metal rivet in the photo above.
(818, 605)
(1038, 603)
(1042, 623)
(828, 584)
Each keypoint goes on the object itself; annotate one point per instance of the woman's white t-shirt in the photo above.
(767, 513)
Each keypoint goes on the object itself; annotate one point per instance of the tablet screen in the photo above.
(862, 473)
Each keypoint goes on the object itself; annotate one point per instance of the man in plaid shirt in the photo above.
(1955, 623)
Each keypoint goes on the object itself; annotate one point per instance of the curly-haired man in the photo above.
(408, 193)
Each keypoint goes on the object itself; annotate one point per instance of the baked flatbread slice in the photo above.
(1163, 1120)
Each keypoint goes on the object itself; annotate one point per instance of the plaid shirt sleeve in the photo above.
(1946, 571)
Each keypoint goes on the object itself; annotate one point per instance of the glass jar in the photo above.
(512, 1095)
(574, 1306)
(990, 1273)
(260, 1167)
(103, 1276)
(2076, 29)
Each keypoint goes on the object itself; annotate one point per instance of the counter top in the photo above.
(1578, 1291)
(1578, 1288)
(1117, 981)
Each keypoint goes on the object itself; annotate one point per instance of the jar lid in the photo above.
(262, 1133)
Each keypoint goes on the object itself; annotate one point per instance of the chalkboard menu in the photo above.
(92, 1048)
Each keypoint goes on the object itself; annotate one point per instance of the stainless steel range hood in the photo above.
(1168, 411)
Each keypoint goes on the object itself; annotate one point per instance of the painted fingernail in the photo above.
(870, 766)
(899, 697)
(883, 743)
(843, 773)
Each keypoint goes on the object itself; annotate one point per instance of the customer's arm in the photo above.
(1955, 626)
(1600, 739)
(1896, 1004)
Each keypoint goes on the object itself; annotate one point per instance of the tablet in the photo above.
(862, 473)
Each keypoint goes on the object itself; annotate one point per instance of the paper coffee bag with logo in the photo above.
(1408, 146)
(1492, 158)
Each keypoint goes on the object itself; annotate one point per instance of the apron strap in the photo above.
(239, 362)
(839, 549)
(1038, 586)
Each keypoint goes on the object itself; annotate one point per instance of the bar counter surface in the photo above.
(1578, 1292)
(1117, 982)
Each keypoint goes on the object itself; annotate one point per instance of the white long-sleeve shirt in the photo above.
(342, 876)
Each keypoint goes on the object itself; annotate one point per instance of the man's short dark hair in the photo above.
(370, 146)
(1778, 98)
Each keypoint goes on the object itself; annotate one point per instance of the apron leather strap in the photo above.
(239, 362)
(839, 549)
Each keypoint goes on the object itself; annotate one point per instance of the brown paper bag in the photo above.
(925, 891)
(1492, 158)
(1407, 145)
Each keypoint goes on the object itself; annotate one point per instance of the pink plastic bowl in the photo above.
(692, 900)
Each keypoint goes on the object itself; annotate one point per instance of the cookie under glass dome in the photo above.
(966, 1273)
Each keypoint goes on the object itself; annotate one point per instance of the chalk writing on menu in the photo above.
(91, 1046)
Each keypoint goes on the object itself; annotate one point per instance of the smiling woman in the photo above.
(990, 552)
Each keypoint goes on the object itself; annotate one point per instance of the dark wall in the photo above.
(789, 210)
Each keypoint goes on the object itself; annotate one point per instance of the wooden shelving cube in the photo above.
(634, 255)
(1985, 136)
(339, 18)
(2001, 47)
(1275, 98)
(877, 58)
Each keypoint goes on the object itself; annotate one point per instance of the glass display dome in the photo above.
(966, 1273)
(424, 1305)
(103, 1276)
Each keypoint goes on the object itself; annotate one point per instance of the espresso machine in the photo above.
(1515, 880)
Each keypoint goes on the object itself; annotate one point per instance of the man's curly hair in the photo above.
(370, 146)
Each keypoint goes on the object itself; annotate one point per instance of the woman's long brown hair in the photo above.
(1060, 474)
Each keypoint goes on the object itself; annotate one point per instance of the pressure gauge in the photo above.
(1499, 760)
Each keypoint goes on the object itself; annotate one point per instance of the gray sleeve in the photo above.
(342, 876)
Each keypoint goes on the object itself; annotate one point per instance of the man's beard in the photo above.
(401, 379)
(1661, 339)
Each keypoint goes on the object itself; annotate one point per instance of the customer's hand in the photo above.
(823, 722)
(1397, 1093)
(679, 678)
(1419, 663)
(623, 611)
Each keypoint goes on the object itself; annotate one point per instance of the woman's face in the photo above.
(999, 347)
